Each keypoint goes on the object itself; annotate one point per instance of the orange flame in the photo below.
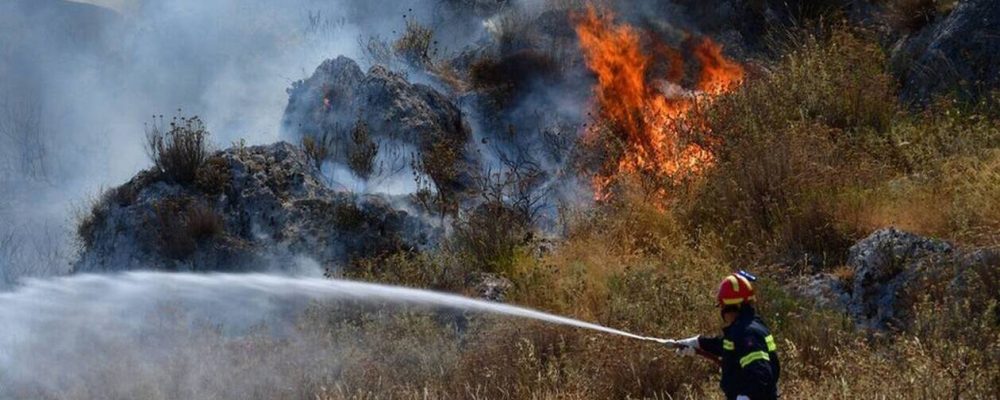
(646, 111)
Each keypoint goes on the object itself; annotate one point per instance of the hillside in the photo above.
(609, 163)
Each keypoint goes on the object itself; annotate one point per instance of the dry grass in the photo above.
(816, 153)
(819, 152)
(415, 44)
(626, 265)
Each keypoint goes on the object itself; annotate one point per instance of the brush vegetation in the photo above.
(818, 152)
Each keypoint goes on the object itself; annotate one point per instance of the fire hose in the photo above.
(711, 357)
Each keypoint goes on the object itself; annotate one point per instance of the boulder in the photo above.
(959, 53)
(491, 287)
(252, 208)
(884, 264)
(891, 271)
(401, 120)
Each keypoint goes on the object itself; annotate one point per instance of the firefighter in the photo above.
(750, 367)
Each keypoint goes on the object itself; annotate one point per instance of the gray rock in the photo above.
(273, 207)
(490, 286)
(891, 271)
(403, 119)
(883, 264)
(959, 53)
(825, 290)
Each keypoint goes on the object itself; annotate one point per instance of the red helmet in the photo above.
(735, 290)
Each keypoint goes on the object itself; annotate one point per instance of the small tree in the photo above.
(178, 153)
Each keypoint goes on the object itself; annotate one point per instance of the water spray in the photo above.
(74, 296)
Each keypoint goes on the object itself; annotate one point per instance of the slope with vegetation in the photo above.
(821, 146)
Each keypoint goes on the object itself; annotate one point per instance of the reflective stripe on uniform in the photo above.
(728, 345)
(755, 356)
(771, 347)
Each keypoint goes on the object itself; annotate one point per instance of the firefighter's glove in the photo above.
(684, 347)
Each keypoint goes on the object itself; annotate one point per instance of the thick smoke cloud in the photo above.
(86, 79)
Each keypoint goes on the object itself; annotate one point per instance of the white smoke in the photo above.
(95, 77)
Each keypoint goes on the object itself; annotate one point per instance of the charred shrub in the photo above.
(214, 176)
(491, 235)
(912, 15)
(362, 151)
(91, 218)
(414, 46)
(88, 222)
(436, 174)
(504, 79)
(318, 148)
(179, 150)
(182, 223)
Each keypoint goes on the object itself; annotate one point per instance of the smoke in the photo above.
(80, 81)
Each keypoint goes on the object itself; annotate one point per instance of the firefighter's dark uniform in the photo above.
(750, 365)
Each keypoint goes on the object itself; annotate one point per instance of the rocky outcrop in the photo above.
(956, 54)
(889, 272)
(884, 264)
(400, 120)
(251, 208)
(491, 287)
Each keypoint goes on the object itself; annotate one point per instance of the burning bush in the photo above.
(650, 114)
(179, 152)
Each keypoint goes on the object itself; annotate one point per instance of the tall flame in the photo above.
(638, 106)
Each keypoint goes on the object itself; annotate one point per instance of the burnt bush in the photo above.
(178, 150)
(182, 223)
(318, 148)
(913, 15)
(491, 234)
(214, 176)
(504, 79)
(362, 151)
(436, 174)
(415, 44)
